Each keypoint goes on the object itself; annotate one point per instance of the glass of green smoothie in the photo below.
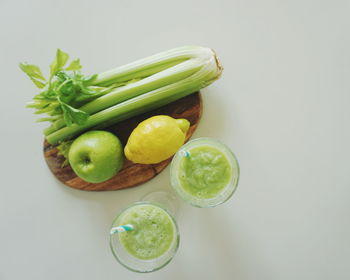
(144, 237)
(204, 172)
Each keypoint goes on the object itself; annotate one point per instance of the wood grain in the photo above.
(131, 174)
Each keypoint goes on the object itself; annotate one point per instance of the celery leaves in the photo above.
(74, 65)
(64, 92)
(34, 74)
(63, 150)
(72, 115)
(60, 61)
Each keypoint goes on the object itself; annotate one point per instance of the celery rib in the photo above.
(168, 76)
(209, 70)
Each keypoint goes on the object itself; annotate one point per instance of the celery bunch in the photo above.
(76, 103)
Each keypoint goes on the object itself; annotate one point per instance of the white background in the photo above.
(282, 105)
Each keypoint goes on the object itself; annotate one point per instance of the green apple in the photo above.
(96, 156)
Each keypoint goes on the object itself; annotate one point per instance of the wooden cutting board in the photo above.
(131, 174)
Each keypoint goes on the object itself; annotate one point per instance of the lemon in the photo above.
(156, 139)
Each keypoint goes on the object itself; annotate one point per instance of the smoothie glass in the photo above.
(204, 172)
(151, 243)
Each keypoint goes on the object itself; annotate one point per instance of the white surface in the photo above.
(282, 105)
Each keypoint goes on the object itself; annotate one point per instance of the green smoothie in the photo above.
(154, 231)
(204, 172)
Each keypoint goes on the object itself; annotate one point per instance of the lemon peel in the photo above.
(156, 139)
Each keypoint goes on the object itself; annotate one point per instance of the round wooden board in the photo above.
(132, 174)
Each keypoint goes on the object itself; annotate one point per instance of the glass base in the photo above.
(134, 262)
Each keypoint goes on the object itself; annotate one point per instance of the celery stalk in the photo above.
(149, 65)
(118, 95)
(208, 70)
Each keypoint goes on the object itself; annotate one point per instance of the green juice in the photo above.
(154, 231)
(205, 173)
